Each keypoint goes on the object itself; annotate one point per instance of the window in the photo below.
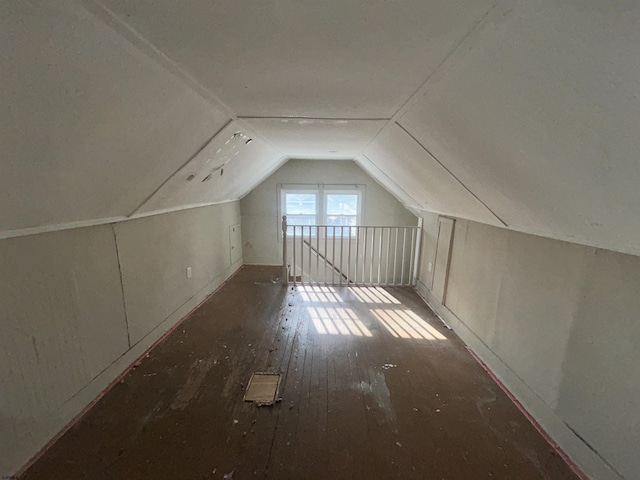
(301, 208)
(342, 208)
(321, 205)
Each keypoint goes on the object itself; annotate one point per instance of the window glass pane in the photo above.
(300, 204)
(342, 210)
(342, 204)
(347, 220)
(301, 209)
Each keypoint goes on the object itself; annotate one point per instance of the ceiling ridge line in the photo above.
(147, 48)
(450, 173)
(454, 55)
(338, 119)
(448, 62)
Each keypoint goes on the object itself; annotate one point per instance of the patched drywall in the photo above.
(558, 323)
(67, 329)
(261, 224)
(228, 166)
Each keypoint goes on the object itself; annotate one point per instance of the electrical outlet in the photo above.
(188, 272)
(430, 266)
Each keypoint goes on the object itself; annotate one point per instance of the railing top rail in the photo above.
(353, 226)
(384, 254)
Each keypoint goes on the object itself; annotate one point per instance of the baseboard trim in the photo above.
(585, 463)
(110, 376)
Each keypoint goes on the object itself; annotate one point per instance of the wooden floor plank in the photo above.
(373, 387)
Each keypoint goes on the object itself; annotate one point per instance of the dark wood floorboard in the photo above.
(373, 387)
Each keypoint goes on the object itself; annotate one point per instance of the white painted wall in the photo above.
(527, 112)
(537, 114)
(89, 125)
(260, 221)
(155, 252)
(558, 323)
(69, 326)
(408, 170)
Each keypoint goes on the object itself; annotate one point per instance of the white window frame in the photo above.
(301, 189)
(321, 191)
(342, 191)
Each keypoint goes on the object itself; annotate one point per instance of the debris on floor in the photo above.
(263, 388)
(387, 366)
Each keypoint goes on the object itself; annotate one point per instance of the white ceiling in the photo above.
(427, 184)
(318, 139)
(89, 126)
(522, 114)
(232, 163)
(305, 58)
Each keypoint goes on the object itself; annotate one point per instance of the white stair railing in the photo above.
(350, 255)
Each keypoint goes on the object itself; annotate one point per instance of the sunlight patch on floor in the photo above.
(373, 295)
(329, 318)
(319, 294)
(337, 321)
(406, 324)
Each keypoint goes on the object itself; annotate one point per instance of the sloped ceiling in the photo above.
(318, 138)
(517, 114)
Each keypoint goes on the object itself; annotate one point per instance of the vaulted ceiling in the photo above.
(519, 114)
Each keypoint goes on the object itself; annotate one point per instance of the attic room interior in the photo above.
(453, 293)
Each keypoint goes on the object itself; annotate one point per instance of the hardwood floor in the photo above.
(374, 387)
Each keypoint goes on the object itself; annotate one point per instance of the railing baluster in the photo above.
(373, 249)
(409, 254)
(413, 253)
(386, 270)
(285, 274)
(395, 257)
(301, 255)
(326, 232)
(397, 261)
(364, 256)
(333, 256)
(349, 258)
(309, 275)
(356, 262)
(341, 252)
(404, 244)
(294, 255)
(416, 257)
(317, 255)
(380, 254)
